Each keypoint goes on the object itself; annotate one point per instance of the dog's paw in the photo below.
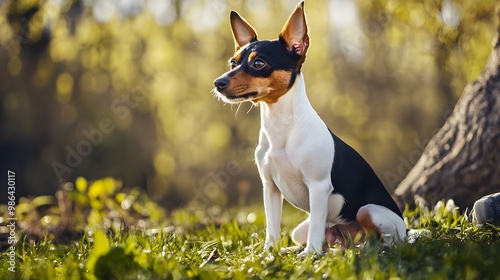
(268, 252)
(268, 246)
(311, 251)
(311, 255)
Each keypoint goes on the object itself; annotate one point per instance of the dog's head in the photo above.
(262, 71)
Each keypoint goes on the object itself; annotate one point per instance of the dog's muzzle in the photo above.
(221, 84)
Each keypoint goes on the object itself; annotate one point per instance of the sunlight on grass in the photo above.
(192, 243)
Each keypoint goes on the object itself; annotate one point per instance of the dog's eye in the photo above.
(233, 64)
(259, 64)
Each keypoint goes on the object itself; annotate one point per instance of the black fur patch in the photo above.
(354, 179)
(274, 53)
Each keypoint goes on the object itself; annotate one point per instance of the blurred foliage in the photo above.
(122, 88)
(83, 207)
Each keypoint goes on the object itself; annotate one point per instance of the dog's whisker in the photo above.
(237, 109)
(251, 107)
(214, 94)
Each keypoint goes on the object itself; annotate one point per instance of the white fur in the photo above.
(294, 157)
(392, 227)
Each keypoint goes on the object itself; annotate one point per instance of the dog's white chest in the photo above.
(287, 178)
(296, 149)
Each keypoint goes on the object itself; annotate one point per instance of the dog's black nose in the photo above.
(221, 83)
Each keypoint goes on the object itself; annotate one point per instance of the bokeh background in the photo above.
(98, 88)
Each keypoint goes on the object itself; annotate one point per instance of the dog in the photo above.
(298, 157)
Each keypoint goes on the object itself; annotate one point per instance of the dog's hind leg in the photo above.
(385, 223)
(299, 234)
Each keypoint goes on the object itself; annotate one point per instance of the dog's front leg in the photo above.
(273, 204)
(318, 201)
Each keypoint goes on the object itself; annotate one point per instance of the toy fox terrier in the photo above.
(298, 157)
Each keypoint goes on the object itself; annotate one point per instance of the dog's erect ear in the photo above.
(243, 33)
(294, 33)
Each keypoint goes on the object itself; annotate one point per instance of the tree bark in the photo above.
(462, 161)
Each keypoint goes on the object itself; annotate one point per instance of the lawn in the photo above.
(121, 234)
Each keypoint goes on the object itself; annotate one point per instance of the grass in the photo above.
(192, 245)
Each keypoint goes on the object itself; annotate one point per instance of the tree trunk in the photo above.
(462, 161)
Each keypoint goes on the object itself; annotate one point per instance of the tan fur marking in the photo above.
(251, 56)
(269, 89)
(278, 85)
(365, 220)
(237, 56)
(241, 83)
